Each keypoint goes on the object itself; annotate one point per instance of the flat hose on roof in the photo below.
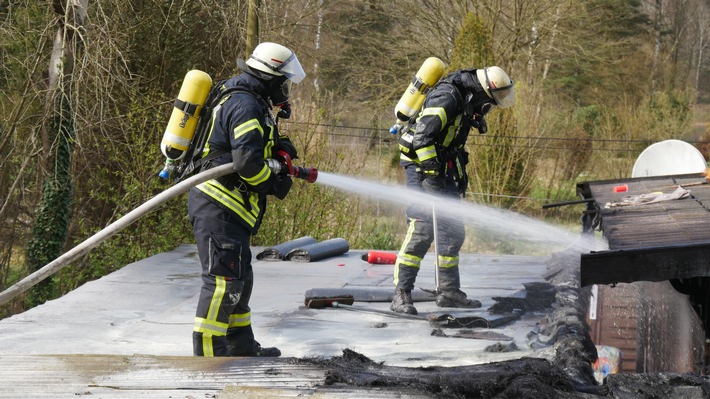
(368, 293)
(279, 252)
(320, 250)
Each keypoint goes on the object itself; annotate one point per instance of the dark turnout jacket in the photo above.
(243, 127)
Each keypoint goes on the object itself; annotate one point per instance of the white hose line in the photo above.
(120, 224)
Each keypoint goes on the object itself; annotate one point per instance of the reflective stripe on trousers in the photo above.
(223, 305)
(418, 240)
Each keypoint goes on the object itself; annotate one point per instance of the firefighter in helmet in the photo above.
(225, 212)
(434, 160)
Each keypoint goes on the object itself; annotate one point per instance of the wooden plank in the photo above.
(623, 343)
(610, 330)
(626, 303)
(646, 264)
(619, 323)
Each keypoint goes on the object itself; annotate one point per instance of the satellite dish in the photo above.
(669, 157)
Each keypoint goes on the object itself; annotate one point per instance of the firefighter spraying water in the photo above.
(258, 165)
(225, 212)
(187, 132)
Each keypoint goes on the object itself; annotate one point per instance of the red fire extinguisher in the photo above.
(380, 257)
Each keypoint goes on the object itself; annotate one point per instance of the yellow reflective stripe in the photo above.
(207, 347)
(403, 157)
(235, 195)
(408, 261)
(460, 168)
(206, 150)
(254, 202)
(268, 148)
(231, 201)
(240, 320)
(435, 111)
(246, 127)
(217, 297)
(448, 261)
(210, 327)
(403, 257)
(425, 153)
(260, 177)
(451, 132)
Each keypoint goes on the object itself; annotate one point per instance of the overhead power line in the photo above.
(385, 135)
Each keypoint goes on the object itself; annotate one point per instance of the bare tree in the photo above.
(53, 215)
(703, 40)
(657, 33)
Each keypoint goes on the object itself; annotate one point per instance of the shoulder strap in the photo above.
(193, 157)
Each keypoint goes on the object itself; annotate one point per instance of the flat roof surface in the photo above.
(143, 314)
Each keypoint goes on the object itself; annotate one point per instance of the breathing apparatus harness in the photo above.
(473, 103)
(196, 162)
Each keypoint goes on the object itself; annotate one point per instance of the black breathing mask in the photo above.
(476, 98)
(483, 107)
(280, 91)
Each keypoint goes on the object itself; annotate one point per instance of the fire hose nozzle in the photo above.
(308, 174)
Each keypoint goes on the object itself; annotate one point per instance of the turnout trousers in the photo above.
(420, 235)
(223, 317)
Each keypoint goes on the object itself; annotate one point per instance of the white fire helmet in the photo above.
(277, 60)
(497, 85)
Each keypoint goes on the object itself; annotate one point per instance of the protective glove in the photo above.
(479, 123)
(285, 144)
(285, 111)
(280, 186)
(433, 184)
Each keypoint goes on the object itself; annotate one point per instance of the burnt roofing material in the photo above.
(648, 241)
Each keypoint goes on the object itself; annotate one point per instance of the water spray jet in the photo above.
(512, 225)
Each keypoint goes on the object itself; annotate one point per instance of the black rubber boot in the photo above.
(256, 350)
(241, 342)
(455, 298)
(402, 302)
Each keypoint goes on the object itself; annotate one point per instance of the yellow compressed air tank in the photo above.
(408, 106)
(183, 121)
